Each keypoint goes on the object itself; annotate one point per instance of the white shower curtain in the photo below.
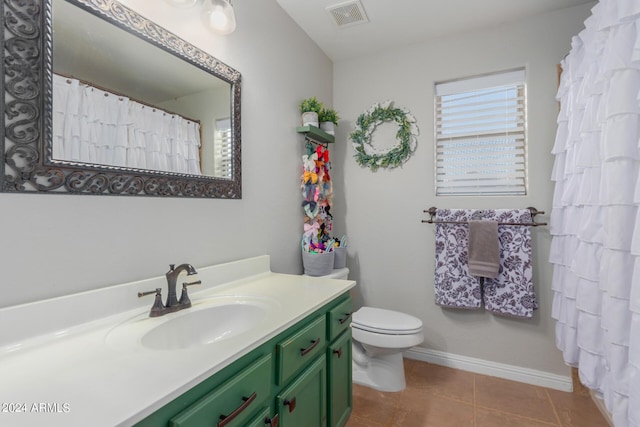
(94, 126)
(595, 219)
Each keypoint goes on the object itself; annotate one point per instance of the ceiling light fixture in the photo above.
(217, 15)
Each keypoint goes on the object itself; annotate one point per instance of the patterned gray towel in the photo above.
(454, 286)
(511, 293)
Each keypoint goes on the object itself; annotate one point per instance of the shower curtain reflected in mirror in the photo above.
(91, 125)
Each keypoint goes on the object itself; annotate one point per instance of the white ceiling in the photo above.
(395, 23)
(92, 49)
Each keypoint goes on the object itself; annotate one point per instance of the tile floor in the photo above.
(437, 396)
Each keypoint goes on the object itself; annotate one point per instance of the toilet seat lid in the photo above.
(384, 321)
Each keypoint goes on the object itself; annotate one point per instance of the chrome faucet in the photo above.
(172, 304)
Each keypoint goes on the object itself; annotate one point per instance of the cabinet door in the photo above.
(303, 402)
(339, 380)
(264, 419)
(234, 402)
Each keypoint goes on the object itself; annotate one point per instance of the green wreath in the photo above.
(366, 154)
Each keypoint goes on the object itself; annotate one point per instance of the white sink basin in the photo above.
(209, 321)
(204, 326)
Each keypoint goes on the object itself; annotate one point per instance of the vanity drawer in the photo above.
(300, 349)
(339, 319)
(240, 397)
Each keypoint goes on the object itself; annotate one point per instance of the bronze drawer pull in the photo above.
(291, 404)
(345, 318)
(226, 419)
(273, 421)
(338, 352)
(314, 343)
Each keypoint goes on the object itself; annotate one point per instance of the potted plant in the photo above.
(328, 118)
(310, 108)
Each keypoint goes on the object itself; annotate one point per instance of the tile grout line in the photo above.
(524, 417)
(553, 406)
(475, 403)
(393, 416)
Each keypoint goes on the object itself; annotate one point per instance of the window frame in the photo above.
(512, 78)
(223, 141)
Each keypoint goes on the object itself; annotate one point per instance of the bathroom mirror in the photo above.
(157, 71)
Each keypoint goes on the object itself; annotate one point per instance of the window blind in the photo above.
(480, 136)
(223, 149)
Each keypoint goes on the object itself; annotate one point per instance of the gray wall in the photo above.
(392, 252)
(59, 244)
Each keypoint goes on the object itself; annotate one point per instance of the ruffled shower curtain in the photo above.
(94, 126)
(595, 219)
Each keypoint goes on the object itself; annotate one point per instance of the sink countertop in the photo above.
(69, 375)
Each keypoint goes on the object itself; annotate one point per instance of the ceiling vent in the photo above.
(348, 13)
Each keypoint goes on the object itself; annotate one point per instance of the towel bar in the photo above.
(432, 213)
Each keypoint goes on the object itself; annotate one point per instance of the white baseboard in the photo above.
(485, 367)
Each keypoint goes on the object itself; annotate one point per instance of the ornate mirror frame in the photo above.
(26, 64)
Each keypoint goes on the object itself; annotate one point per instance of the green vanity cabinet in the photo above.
(299, 378)
(339, 319)
(296, 351)
(303, 403)
(339, 367)
(264, 419)
(234, 402)
(339, 401)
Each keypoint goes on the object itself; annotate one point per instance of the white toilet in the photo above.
(379, 338)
